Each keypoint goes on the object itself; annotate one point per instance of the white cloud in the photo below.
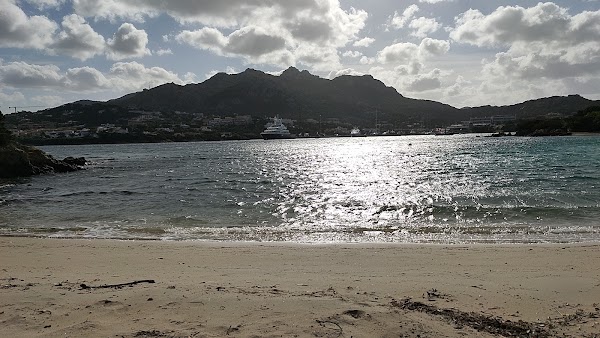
(113, 9)
(48, 100)
(46, 4)
(434, 1)
(77, 39)
(458, 88)
(123, 76)
(251, 43)
(543, 41)
(364, 42)
(400, 20)
(406, 52)
(190, 77)
(258, 31)
(423, 26)
(134, 76)
(366, 60)
(319, 58)
(128, 42)
(228, 70)
(412, 68)
(204, 38)
(24, 75)
(20, 31)
(163, 51)
(507, 25)
(14, 98)
(402, 52)
(352, 54)
(434, 47)
(84, 79)
(424, 82)
(346, 71)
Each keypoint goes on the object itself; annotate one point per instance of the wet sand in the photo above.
(70, 288)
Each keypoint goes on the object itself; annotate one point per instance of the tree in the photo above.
(5, 135)
(587, 120)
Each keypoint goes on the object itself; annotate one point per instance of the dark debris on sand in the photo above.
(477, 321)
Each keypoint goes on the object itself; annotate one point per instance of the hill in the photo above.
(301, 95)
(563, 105)
(294, 94)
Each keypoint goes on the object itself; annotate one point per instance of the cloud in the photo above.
(366, 60)
(46, 4)
(412, 68)
(507, 25)
(48, 100)
(402, 52)
(423, 26)
(347, 71)
(77, 39)
(134, 76)
(352, 54)
(84, 79)
(127, 42)
(122, 76)
(543, 41)
(257, 31)
(163, 51)
(228, 70)
(310, 30)
(424, 82)
(20, 31)
(364, 42)
(24, 75)
(458, 88)
(253, 42)
(14, 98)
(399, 20)
(205, 38)
(434, 47)
(249, 42)
(434, 1)
(406, 52)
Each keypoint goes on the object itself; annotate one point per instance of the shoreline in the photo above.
(214, 289)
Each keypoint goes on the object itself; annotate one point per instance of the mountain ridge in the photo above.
(300, 95)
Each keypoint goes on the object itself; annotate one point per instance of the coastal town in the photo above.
(93, 124)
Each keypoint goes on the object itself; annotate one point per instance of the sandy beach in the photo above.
(108, 288)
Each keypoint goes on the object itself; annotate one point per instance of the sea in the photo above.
(449, 189)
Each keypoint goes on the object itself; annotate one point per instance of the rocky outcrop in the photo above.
(18, 160)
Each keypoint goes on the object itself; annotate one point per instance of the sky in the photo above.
(459, 52)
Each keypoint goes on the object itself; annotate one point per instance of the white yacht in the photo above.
(277, 130)
(356, 133)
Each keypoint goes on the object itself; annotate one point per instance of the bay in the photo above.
(410, 189)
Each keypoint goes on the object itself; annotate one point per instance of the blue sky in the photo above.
(460, 52)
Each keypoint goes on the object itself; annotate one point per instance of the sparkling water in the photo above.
(410, 189)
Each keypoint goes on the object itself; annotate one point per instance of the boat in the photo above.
(277, 130)
(356, 133)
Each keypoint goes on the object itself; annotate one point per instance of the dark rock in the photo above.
(78, 161)
(18, 160)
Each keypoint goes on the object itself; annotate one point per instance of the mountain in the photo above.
(358, 100)
(301, 95)
(564, 105)
(294, 94)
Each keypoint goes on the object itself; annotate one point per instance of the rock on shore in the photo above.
(18, 160)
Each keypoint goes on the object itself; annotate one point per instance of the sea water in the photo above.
(409, 189)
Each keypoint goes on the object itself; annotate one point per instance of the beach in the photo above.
(110, 288)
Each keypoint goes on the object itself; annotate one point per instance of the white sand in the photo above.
(278, 290)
